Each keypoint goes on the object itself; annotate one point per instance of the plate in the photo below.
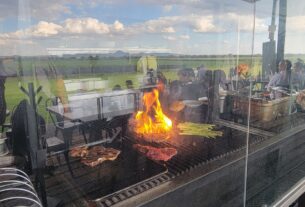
(192, 103)
(203, 99)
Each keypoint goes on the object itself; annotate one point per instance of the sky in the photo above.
(194, 27)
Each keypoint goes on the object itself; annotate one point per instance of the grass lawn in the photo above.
(167, 64)
(14, 95)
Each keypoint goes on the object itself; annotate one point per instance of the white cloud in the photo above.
(78, 26)
(170, 38)
(168, 30)
(44, 29)
(174, 38)
(85, 26)
(181, 30)
(90, 26)
(169, 24)
(184, 37)
(243, 22)
(118, 26)
(203, 24)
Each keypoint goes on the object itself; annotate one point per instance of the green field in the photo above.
(164, 63)
(14, 95)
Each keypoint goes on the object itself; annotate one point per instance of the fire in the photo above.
(152, 123)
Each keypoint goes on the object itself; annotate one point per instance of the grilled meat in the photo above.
(95, 155)
(154, 153)
(79, 151)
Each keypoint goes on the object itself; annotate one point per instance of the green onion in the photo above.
(194, 129)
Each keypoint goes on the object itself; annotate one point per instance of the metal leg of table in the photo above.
(95, 130)
(67, 134)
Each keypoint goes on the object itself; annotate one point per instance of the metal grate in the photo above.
(188, 158)
(192, 153)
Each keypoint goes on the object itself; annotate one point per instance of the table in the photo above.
(93, 109)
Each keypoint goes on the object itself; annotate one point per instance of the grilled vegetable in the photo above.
(204, 130)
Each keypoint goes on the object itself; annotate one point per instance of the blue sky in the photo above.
(32, 27)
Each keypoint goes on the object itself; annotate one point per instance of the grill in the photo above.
(132, 173)
(127, 170)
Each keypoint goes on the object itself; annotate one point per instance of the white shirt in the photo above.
(275, 80)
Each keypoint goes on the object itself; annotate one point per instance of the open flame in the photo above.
(152, 124)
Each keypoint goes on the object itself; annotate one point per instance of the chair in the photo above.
(65, 126)
(55, 144)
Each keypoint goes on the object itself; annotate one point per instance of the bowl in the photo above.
(192, 103)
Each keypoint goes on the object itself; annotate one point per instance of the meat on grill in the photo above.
(79, 151)
(154, 153)
(95, 155)
(98, 155)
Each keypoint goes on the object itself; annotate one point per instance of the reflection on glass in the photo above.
(104, 102)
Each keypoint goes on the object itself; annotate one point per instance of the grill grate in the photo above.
(192, 152)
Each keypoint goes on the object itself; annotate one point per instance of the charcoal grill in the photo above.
(127, 170)
(92, 184)
(200, 168)
(197, 158)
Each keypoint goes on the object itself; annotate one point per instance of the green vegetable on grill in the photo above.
(194, 129)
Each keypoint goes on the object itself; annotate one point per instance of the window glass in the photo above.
(173, 103)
